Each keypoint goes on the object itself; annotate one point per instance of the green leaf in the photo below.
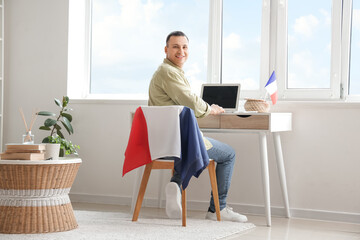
(45, 128)
(45, 140)
(58, 132)
(46, 113)
(67, 125)
(49, 122)
(65, 101)
(57, 101)
(68, 116)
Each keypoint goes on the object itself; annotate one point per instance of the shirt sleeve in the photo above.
(178, 89)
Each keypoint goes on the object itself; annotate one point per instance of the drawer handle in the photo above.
(244, 116)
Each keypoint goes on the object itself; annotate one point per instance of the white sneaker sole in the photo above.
(237, 217)
(173, 201)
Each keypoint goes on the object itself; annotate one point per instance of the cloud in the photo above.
(356, 19)
(121, 27)
(129, 39)
(327, 16)
(306, 25)
(194, 75)
(328, 48)
(192, 70)
(305, 71)
(232, 41)
(134, 12)
(250, 83)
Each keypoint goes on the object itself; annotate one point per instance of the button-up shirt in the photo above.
(169, 86)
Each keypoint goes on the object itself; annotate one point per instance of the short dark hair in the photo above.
(175, 34)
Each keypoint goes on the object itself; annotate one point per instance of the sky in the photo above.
(355, 51)
(128, 40)
(309, 44)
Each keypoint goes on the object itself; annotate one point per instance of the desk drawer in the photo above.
(210, 121)
(260, 122)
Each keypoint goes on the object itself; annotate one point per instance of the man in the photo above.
(169, 86)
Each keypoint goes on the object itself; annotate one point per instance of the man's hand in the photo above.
(216, 109)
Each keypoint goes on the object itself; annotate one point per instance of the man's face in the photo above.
(177, 50)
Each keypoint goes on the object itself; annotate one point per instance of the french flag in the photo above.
(271, 88)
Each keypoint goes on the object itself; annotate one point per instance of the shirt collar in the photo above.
(167, 61)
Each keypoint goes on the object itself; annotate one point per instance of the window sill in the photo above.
(109, 101)
(280, 103)
(330, 104)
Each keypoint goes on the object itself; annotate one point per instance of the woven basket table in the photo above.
(34, 195)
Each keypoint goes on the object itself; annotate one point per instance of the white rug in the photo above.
(116, 226)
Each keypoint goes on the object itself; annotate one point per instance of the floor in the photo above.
(281, 229)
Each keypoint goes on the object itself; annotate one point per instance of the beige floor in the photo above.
(281, 229)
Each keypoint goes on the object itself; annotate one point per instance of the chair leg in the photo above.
(212, 174)
(142, 190)
(183, 203)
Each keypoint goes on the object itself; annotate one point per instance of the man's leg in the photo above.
(173, 196)
(224, 156)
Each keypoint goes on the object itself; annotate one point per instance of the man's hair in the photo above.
(175, 34)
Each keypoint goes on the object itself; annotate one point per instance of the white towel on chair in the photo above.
(163, 125)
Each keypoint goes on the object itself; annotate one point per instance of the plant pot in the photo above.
(52, 151)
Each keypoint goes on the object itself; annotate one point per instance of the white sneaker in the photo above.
(227, 214)
(173, 200)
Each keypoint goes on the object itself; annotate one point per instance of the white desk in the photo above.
(261, 124)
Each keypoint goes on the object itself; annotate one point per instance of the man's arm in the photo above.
(180, 92)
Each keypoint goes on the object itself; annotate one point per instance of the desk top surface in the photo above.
(256, 113)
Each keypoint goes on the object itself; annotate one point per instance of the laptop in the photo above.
(225, 95)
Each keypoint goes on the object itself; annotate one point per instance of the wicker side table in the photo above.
(34, 195)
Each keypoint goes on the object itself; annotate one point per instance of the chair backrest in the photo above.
(166, 131)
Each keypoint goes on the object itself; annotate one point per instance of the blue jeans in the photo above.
(224, 156)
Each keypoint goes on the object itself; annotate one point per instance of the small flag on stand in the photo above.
(271, 88)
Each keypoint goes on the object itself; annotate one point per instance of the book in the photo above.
(22, 156)
(26, 146)
(23, 151)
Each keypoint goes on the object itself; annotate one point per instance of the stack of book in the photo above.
(24, 152)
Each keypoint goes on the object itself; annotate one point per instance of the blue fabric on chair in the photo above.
(194, 158)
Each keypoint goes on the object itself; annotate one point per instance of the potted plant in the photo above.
(53, 124)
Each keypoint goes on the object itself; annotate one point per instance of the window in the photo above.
(128, 40)
(241, 43)
(309, 44)
(310, 66)
(313, 46)
(354, 85)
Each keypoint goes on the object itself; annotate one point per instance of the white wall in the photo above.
(35, 60)
(321, 153)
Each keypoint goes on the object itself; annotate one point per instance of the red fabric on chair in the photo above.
(137, 152)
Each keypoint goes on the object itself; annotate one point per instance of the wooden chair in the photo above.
(169, 164)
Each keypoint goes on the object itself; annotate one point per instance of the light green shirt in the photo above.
(169, 86)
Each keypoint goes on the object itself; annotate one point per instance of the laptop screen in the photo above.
(224, 95)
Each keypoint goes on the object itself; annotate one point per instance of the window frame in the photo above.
(273, 56)
(345, 54)
(264, 67)
(284, 93)
(79, 52)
